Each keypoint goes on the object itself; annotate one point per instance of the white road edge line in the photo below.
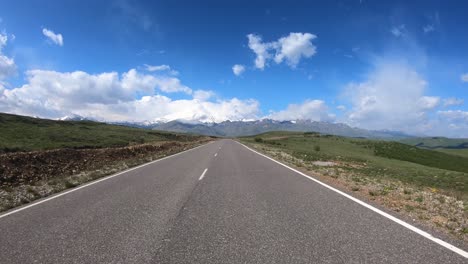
(382, 213)
(203, 174)
(216, 154)
(96, 181)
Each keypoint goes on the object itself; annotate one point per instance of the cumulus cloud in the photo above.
(203, 95)
(238, 69)
(464, 77)
(7, 65)
(110, 96)
(293, 47)
(163, 108)
(171, 85)
(315, 110)
(260, 49)
(55, 38)
(392, 97)
(290, 49)
(453, 101)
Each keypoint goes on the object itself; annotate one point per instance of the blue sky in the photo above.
(395, 65)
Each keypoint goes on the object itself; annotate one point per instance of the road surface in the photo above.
(219, 203)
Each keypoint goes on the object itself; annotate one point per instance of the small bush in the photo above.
(32, 191)
(317, 148)
(409, 208)
(70, 184)
(311, 134)
(258, 139)
(419, 199)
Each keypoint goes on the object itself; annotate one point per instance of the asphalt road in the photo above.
(219, 203)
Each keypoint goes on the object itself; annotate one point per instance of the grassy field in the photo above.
(437, 142)
(458, 152)
(20, 133)
(377, 159)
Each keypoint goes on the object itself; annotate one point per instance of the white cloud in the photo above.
(315, 110)
(199, 110)
(152, 68)
(433, 22)
(55, 38)
(464, 77)
(341, 107)
(171, 85)
(428, 28)
(161, 68)
(392, 97)
(293, 47)
(3, 40)
(455, 116)
(7, 65)
(450, 124)
(131, 13)
(203, 95)
(398, 31)
(238, 69)
(428, 102)
(453, 101)
(130, 96)
(260, 49)
(290, 49)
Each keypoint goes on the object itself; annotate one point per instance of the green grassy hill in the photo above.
(458, 152)
(437, 142)
(20, 133)
(422, 167)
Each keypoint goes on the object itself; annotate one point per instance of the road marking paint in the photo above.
(203, 174)
(368, 206)
(96, 181)
(219, 147)
(216, 154)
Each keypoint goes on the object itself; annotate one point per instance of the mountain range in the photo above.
(247, 128)
(254, 127)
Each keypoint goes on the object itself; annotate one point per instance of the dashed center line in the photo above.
(203, 174)
(216, 154)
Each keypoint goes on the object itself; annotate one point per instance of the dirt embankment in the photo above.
(30, 167)
(27, 176)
